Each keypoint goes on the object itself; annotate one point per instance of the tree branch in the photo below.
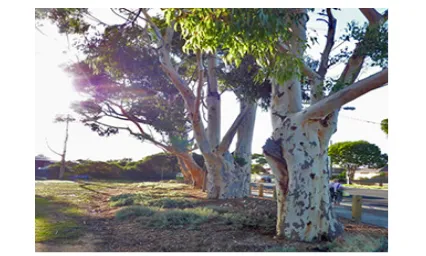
(52, 149)
(229, 136)
(200, 66)
(316, 87)
(325, 106)
(372, 15)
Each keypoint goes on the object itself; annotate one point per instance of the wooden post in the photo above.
(356, 208)
(260, 190)
(274, 192)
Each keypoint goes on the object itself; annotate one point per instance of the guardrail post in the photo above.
(356, 208)
(260, 190)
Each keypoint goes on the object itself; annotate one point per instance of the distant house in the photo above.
(384, 170)
(40, 162)
(336, 170)
(366, 173)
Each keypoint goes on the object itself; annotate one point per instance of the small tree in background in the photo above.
(384, 126)
(353, 154)
(62, 119)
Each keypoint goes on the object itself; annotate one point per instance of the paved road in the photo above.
(374, 204)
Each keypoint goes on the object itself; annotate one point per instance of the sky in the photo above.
(54, 93)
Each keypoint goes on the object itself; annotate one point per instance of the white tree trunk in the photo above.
(64, 152)
(226, 177)
(244, 147)
(298, 156)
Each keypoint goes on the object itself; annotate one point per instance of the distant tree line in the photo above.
(155, 167)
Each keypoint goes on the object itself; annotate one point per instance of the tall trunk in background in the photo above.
(227, 176)
(243, 149)
(64, 152)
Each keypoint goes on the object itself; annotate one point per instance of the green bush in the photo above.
(358, 243)
(181, 218)
(170, 203)
(134, 211)
(151, 168)
(53, 169)
(265, 222)
(122, 200)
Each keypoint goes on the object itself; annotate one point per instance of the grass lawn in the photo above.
(384, 187)
(117, 216)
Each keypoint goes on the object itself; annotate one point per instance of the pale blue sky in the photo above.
(54, 94)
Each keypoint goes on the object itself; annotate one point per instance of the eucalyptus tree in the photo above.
(67, 119)
(297, 149)
(228, 175)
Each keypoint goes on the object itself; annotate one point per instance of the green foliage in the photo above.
(121, 200)
(359, 153)
(373, 41)
(240, 160)
(239, 32)
(259, 159)
(152, 167)
(68, 20)
(384, 125)
(171, 203)
(134, 211)
(257, 169)
(53, 169)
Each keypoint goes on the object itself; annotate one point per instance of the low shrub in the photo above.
(358, 243)
(134, 211)
(181, 218)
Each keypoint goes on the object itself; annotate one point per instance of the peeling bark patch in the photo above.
(280, 94)
(289, 137)
(280, 116)
(301, 143)
(306, 154)
(293, 128)
(304, 134)
(313, 143)
(312, 175)
(307, 164)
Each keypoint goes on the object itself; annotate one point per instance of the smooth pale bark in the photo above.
(233, 180)
(223, 178)
(213, 104)
(297, 154)
(64, 152)
(244, 146)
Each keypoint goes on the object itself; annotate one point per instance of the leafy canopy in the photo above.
(384, 125)
(358, 153)
(239, 32)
